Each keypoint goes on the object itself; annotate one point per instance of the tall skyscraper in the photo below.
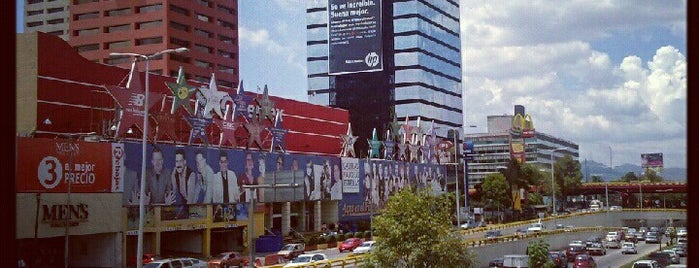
(419, 74)
(50, 17)
(209, 28)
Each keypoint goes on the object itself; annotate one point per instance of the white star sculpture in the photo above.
(213, 98)
(348, 141)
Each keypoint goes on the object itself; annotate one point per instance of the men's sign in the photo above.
(354, 31)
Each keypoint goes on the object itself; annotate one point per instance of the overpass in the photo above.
(634, 187)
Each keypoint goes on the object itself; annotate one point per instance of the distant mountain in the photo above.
(608, 174)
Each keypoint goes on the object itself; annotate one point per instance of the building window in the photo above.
(203, 33)
(34, 12)
(35, 23)
(150, 8)
(225, 9)
(89, 47)
(179, 42)
(117, 60)
(202, 64)
(204, 3)
(202, 48)
(225, 39)
(59, 32)
(203, 17)
(226, 24)
(84, 16)
(179, 10)
(125, 43)
(80, 2)
(34, 1)
(149, 24)
(226, 54)
(226, 69)
(224, 83)
(148, 41)
(117, 28)
(117, 12)
(55, 21)
(179, 26)
(180, 58)
(83, 32)
(54, 10)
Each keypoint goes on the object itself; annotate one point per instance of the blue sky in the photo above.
(598, 73)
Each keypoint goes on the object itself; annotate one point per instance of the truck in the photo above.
(515, 261)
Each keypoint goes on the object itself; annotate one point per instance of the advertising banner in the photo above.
(652, 161)
(350, 175)
(46, 165)
(354, 32)
(379, 179)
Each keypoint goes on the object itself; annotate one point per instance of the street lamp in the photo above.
(553, 186)
(142, 200)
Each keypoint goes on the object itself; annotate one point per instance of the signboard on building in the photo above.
(354, 34)
(652, 161)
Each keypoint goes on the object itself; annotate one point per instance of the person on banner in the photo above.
(225, 188)
(199, 185)
(308, 179)
(325, 180)
(247, 178)
(261, 178)
(158, 185)
(367, 182)
(180, 176)
(336, 188)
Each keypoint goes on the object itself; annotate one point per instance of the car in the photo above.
(663, 258)
(584, 261)
(290, 251)
(228, 259)
(681, 231)
(640, 235)
(535, 227)
(176, 262)
(558, 258)
(574, 250)
(673, 256)
(682, 240)
(676, 266)
(364, 247)
(596, 248)
(521, 231)
(681, 250)
(305, 259)
(628, 248)
(492, 234)
(612, 243)
(349, 244)
(652, 238)
(468, 225)
(496, 263)
(615, 208)
(645, 264)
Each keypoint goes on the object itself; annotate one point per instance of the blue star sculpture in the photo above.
(374, 145)
(388, 146)
(278, 134)
(199, 125)
(241, 103)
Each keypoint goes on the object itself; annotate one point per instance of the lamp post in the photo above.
(553, 186)
(141, 199)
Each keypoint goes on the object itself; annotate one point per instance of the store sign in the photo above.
(354, 31)
(58, 215)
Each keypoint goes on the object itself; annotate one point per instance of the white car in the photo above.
(628, 247)
(177, 262)
(536, 227)
(304, 259)
(364, 247)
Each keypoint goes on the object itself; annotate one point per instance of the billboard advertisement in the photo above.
(652, 161)
(354, 34)
(379, 179)
(47, 165)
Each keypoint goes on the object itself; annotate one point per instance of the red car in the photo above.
(584, 260)
(574, 250)
(228, 259)
(147, 257)
(349, 244)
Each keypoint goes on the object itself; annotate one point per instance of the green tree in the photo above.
(568, 176)
(596, 178)
(629, 177)
(652, 176)
(538, 254)
(534, 176)
(495, 188)
(415, 230)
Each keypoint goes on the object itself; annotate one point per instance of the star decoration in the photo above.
(165, 126)
(227, 131)
(181, 93)
(408, 131)
(395, 128)
(348, 141)
(241, 103)
(266, 105)
(212, 99)
(132, 100)
(388, 146)
(418, 129)
(432, 141)
(255, 129)
(414, 149)
(425, 156)
(278, 134)
(401, 151)
(199, 125)
(374, 145)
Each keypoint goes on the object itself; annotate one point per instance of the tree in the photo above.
(568, 176)
(538, 252)
(534, 176)
(629, 177)
(495, 188)
(415, 230)
(652, 176)
(596, 178)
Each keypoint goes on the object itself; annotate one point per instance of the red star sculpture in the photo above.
(227, 131)
(132, 100)
(165, 126)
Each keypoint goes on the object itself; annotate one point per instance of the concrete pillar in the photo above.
(302, 216)
(269, 215)
(157, 243)
(316, 216)
(206, 241)
(286, 218)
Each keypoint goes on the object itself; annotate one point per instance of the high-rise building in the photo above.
(50, 17)
(209, 28)
(421, 66)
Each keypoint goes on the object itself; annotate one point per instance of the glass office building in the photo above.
(421, 74)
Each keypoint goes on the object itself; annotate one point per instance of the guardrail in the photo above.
(351, 261)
